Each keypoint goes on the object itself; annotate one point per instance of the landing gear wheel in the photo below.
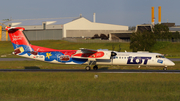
(88, 68)
(165, 68)
(95, 67)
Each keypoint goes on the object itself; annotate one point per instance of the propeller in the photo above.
(119, 49)
(112, 54)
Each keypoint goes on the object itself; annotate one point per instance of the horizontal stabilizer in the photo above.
(14, 28)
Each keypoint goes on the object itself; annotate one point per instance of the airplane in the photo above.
(23, 48)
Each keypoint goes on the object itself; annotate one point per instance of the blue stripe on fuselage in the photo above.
(49, 56)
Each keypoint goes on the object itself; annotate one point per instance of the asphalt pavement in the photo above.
(91, 71)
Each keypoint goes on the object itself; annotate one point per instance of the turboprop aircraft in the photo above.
(83, 56)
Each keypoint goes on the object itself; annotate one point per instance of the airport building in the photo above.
(56, 29)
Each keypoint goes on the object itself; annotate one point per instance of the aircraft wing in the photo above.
(84, 50)
(89, 54)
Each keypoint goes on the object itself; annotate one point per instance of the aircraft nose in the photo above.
(170, 63)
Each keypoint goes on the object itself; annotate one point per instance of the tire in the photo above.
(165, 68)
(95, 67)
(88, 68)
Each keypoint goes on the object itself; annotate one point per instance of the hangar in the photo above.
(56, 29)
(84, 28)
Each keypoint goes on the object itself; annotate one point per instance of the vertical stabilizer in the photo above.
(19, 41)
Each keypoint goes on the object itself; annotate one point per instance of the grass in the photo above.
(48, 86)
(74, 46)
(62, 86)
(172, 50)
(6, 48)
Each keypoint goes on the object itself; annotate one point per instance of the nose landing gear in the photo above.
(165, 68)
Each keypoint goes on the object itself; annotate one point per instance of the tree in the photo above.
(162, 32)
(142, 41)
(176, 35)
(145, 40)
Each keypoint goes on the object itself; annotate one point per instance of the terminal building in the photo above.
(56, 29)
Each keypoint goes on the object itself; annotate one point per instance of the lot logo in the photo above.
(138, 60)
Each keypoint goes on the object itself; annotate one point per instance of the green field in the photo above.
(62, 86)
(171, 50)
(48, 86)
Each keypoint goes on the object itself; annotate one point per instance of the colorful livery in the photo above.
(23, 48)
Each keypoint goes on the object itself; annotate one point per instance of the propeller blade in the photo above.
(112, 54)
(119, 48)
(113, 47)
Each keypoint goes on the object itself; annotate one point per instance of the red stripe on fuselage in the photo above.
(43, 49)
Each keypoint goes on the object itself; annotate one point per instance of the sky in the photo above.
(119, 12)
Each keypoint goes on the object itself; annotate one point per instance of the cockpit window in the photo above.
(160, 56)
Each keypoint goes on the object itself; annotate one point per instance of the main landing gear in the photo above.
(91, 62)
(89, 68)
(95, 67)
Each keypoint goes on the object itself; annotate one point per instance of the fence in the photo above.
(81, 40)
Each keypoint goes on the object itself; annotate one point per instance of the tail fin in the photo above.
(19, 41)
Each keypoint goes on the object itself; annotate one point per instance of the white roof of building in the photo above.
(35, 22)
(68, 23)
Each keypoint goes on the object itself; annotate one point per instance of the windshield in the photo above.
(160, 56)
